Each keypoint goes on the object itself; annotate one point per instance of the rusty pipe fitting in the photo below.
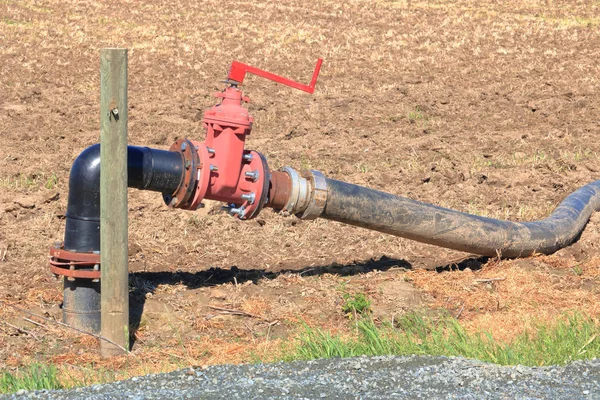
(280, 187)
(303, 194)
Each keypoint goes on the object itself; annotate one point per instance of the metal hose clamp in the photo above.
(308, 194)
(318, 195)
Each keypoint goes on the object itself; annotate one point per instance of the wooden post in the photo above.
(113, 201)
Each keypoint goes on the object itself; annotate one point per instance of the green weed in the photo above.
(51, 182)
(29, 181)
(416, 115)
(33, 377)
(356, 305)
(363, 168)
(194, 221)
(573, 337)
(577, 270)
(305, 163)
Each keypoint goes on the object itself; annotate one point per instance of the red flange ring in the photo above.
(74, 265)
(182, 197)
(262, 184)
(202, 176)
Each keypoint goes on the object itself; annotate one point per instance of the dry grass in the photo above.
(505, 127)
(518, 295)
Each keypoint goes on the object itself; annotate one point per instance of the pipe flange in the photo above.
(182, 197)
(202, 176)
(318, 198)
(74, 265)
(264, 192)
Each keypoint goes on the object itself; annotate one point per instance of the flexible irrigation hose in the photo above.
(388, 213)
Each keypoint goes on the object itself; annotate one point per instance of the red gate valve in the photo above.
(220, 168)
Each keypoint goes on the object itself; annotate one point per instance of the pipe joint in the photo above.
(298, 196)
(77, 259)
(183, 195)
(308, 193)
(318, 195)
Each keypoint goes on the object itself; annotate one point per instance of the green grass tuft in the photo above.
(356, 304)
(51, 182)
(29, 181)
(573, 337)
(416, 115)
(34, 377)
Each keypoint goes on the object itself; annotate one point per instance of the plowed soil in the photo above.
(486, 107)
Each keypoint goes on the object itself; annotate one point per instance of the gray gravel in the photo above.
(354, 378)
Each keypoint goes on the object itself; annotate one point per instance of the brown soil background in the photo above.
(485, 107)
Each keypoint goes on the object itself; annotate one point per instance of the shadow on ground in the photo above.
(142, 283)
(474, 263)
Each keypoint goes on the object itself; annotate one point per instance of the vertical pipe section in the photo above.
(147, 169)
(113, 201)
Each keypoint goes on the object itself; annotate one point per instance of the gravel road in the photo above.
(355, 378)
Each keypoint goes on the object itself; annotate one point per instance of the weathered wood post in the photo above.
(113, 201)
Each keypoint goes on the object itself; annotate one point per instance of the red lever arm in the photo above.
(238, 71)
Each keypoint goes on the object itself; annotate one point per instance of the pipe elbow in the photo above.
(82, 228)
(84, 185)
(147, 169)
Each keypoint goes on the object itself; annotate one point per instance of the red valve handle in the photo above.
(238, 71)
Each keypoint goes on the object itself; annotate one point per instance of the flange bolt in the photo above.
(238, 211)
(250, 197)
(96, 266)
(252, 175)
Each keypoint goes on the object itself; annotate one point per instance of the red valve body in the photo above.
(220, 168)
(225, 171)
(227, 125)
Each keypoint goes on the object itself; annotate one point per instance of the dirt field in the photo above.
(490, 108)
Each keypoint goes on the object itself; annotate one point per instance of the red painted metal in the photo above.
(220, 168)
(75, 273)
(238, 72)
(182, 197)
(223, 163)
(227, 125)
(74, 265)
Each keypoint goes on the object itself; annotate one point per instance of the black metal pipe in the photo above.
(388, 213)
(147, 169)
